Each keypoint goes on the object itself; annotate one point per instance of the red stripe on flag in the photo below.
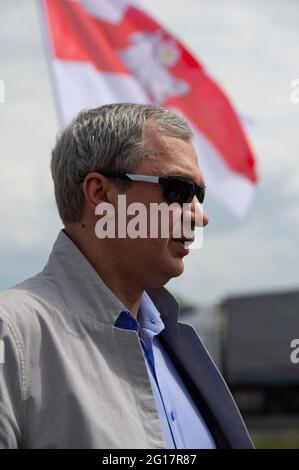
(76, 35)
(209, 109)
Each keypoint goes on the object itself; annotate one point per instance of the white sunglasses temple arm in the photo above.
(146, 178)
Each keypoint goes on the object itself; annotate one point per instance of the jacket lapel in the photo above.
(207, 385)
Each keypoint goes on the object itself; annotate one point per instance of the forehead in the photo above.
(170, 156)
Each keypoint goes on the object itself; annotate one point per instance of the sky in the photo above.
(251, 48)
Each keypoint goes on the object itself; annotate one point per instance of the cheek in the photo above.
(157, 248)
(150, 249)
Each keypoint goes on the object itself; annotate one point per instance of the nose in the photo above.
(199, 216)
(193, 216)
(205, 219)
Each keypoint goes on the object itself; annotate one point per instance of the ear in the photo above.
(97, 188)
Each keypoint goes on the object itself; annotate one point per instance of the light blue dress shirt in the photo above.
(182, 423)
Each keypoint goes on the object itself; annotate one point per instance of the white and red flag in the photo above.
(110, 51)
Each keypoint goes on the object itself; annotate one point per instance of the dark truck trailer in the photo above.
(256, 351)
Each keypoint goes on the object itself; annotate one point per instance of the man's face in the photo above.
(153, 261)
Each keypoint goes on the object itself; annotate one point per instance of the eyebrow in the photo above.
(180, 173)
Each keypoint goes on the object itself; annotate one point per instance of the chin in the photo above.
(167, 274)
(176, 268)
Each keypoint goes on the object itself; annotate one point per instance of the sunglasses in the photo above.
(179, 189)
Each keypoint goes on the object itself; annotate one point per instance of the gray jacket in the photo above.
(70, 379)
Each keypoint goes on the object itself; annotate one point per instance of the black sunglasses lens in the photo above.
(177, 191)
(200, 194)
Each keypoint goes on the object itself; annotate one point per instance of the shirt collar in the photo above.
(148, 315)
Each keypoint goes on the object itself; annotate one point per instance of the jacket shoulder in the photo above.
(25, 304)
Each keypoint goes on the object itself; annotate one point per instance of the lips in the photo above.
(182, 245)
(184, 241)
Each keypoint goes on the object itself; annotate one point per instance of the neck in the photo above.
(124, 288)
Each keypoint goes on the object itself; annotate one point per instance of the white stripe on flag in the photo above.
(108, 10)
(80, 85)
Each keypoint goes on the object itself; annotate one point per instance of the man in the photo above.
(95, 356)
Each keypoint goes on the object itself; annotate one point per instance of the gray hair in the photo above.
(108, 138)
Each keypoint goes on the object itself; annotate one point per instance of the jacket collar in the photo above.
(83, 291)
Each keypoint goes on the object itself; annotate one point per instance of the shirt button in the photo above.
(172, 414)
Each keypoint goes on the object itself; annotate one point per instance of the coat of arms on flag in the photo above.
(149, 57)
(109, 51)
